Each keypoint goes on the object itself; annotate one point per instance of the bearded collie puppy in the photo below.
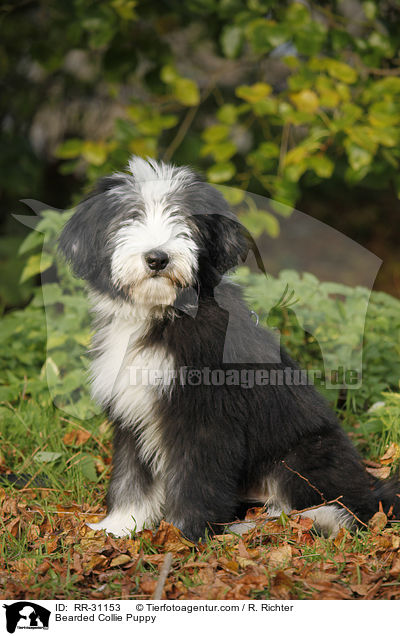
(174, 349)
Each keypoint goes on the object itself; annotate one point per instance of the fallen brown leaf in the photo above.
(121, 559)
(392, 453)
(229, 564)
(380, 473)
(95, 562)
(77, 437)
(278, 556)
(378, 522)
(33, 533)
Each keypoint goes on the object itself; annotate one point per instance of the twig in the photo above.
(188, 119)
(340, 503)
(284, 146)
(43, 488)
(352, 514)
(386, 72)
(180, 135)
(32, 478)
(305, 479)
(164, 571)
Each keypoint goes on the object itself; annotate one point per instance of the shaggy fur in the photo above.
(153, 246)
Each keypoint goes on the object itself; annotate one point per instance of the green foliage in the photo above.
(274, 96)
(323, 327)
(382, 422)
(44, 347)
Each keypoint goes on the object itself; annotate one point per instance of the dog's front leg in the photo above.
(201, 489)
(134, 499)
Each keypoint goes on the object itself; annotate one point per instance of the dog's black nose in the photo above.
(156, 260)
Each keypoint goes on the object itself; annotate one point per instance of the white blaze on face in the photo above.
(158, 226)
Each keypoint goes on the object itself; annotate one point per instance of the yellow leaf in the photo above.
(121, 559)
(244, 563)
(37, 263)
(186, 91)
(255, 93)
(306, 101)
(95, 153)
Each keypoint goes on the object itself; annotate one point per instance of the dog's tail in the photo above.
(387, 496)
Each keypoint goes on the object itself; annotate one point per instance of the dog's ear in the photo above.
(226, 240)
(229, 242)
(82, 240)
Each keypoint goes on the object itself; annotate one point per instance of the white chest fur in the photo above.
(123, 374)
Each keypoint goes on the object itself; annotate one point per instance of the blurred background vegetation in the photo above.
(297, 101)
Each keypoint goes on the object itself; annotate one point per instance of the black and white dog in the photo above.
(190, 447)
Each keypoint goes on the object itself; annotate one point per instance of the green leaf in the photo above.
(234, 196)
(220, 151)
(125, 8)
(306, 101)
(358, 157)
(309, 38)
(231, 41)
(264, 157)
(10, 393)
(95, 153)
(221, 172)
(370, 9)
(384, 113)
(47, 457)
(255, 93)
(322, 166)
(186, 91)
(215, 133)
(168, 74)
(265, 35)
(328, 95)
(363, 136)
(297, 14)
(50, 371)
(341, 71)
(268, 149)
(259, 221)
(34, 239)
(56, 340)
(36, 264)
(69, 149)
(228, 114)
(285, 192)
(87, 465)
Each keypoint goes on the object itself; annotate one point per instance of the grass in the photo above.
(47, 551)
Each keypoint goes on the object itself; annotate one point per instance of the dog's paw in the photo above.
(118, 524)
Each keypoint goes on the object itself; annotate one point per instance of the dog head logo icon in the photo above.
(26, 615)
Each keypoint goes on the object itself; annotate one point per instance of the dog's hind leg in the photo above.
(135, 498)
(325, 473)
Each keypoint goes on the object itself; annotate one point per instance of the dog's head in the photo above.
(146, 235)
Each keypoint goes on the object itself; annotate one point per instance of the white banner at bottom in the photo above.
(181, 617)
